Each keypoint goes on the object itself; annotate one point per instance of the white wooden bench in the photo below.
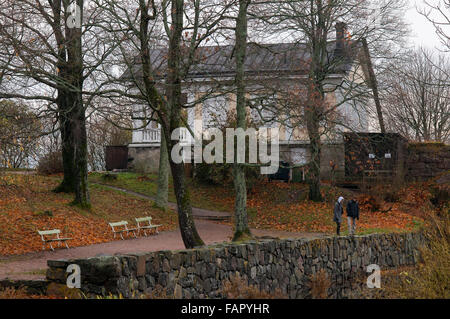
(45, 236)
(121, 227)
(145, 223)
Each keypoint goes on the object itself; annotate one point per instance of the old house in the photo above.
(270, 70)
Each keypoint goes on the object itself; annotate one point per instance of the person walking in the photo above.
(352, 215)
(337, 216)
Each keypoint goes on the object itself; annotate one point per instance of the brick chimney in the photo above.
(341, 33)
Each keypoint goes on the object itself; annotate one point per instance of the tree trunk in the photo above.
(163, 175)
(75, 101)
(68, 151)
(373, 85)
(241, 230)
(312, 122)
(189, 233)
(187, 227)
(81, 169)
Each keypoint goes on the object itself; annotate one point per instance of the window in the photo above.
(263, 111)
(214, 111)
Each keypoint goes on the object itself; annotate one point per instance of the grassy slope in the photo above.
(28, 204)
(275, 205)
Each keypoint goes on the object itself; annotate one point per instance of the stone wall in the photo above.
(270, 264)
(426, 160)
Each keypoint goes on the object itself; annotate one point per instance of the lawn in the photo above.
(277, 205)
(206, 197)
(28, 204)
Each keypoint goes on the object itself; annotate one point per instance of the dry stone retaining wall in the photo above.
(270, 264)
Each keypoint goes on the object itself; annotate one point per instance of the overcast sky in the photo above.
(422, 30)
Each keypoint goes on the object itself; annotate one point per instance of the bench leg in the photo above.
(67, 246)
(50, 243)
(121, 236)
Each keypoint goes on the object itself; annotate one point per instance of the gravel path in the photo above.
(33, 265)
(196, 212)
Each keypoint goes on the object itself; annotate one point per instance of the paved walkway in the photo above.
(33, 265)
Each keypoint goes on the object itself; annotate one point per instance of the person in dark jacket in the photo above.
(337, 214)
(352, 215)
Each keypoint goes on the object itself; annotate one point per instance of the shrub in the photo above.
(319, 285)
(109, 177)
(431, 277)
(12, 293)
(238, 288)
(369, 202)
(51, 163)
(440, 196)
(391, 196)
(222, 174)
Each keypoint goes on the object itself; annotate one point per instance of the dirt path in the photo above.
(199, 213)
(33, 265)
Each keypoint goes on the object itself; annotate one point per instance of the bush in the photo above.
(391, 196)
(238, 288)
(51, 163)
(13, 293)
(319, 285)
(371, 203)
(222, 174)
(431, 277)
(109, 177)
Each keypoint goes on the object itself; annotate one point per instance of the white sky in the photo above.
(422, 31)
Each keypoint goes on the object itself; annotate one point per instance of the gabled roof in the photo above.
(218, 61)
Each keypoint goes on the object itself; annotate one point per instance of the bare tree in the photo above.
(241, 221)
(42, 60)
(418, 101)
(311, 24)
(157, 45)
(19, 130)
(439, 15)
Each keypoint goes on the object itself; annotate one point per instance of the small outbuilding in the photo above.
(375, 156)
(116, 157)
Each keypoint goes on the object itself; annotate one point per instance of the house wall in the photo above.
(145, 159)
(300, 154)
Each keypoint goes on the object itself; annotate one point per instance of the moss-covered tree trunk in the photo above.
(162, 192)
(75, 101)
(189, 233)
(67, 145)
(241, 230)
(313, 176)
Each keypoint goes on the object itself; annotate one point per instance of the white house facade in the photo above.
(209, 99)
